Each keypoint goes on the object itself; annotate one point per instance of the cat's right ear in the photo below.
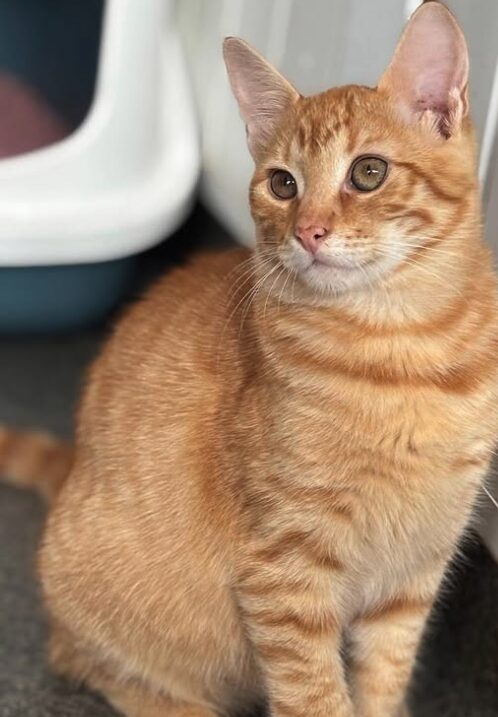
(428, 75)
(263, 94)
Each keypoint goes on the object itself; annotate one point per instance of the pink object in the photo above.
(27, 122)
(311, 237)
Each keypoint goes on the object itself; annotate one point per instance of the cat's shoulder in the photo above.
(198, 271)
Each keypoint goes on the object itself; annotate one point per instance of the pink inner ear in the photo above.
(262, 93)
(432, 61)
(429, 70)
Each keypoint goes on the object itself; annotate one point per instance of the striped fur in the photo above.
(269, 470)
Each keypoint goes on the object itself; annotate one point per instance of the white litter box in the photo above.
(72, 214)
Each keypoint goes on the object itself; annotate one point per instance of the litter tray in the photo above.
(107, 167)
(41, 299)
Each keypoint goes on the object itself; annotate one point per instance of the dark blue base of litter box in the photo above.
(42, 299)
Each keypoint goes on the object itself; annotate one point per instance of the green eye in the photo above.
(368, 173)
(282, 184)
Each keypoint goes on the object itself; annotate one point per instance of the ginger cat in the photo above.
(277, 453)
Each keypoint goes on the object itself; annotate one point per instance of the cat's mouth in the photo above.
(333, 269)
(336, 274)
(324, 263)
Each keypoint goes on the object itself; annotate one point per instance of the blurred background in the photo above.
(121, 152)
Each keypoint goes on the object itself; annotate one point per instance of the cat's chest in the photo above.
(405, 469)
(393, 431)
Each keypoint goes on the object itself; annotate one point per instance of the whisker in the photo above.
(419, 266)
(293, 299)
(289, 274)
(436, 250)
(251, 261)
(490, 496)
(270, 291)
(251, 294)
(434, 275)
(246, 275)
(238, 286)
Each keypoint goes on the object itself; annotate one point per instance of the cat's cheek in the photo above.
(274, 221)
(269, 233)
(294, 257)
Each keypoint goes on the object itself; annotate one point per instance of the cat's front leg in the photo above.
(294, 628)
(384, 646)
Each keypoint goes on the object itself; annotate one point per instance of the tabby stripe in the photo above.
(401, 606)
(432, 186)
(264, 587)
(307, 625)
(326, 497)
(423, 215)
(278, 652)
(457, 311)
(460, 380)
(298, 541)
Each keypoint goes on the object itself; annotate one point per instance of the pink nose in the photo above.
(311, 237)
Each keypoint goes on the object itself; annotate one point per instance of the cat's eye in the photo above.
(282, 184)
(368, 173)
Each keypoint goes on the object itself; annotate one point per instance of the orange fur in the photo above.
(269, 463)
(34, 460)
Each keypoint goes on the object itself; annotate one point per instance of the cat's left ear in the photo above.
(428, 75)
(263, 94)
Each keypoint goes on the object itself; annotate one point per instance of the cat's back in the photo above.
(181, 313)
(148, 440)
(169, 335)
(145, 496)
(157, 385)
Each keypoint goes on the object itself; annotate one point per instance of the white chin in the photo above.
(332, 280)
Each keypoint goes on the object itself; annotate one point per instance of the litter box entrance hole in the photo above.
(49, 52)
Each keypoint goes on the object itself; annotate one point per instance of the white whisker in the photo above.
(270, 291)
(491, 497)
(289, 274)
(251, 294)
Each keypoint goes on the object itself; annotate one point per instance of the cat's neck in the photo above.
(413, 295)
(418, 323)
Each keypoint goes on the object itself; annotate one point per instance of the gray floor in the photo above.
(39, 381)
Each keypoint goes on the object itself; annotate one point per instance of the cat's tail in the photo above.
(34, 460)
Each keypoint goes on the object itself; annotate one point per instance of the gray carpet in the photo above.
(39, 381)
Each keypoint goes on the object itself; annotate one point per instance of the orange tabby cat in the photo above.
(276, 457)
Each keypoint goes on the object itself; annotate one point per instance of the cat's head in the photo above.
(351, 183)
